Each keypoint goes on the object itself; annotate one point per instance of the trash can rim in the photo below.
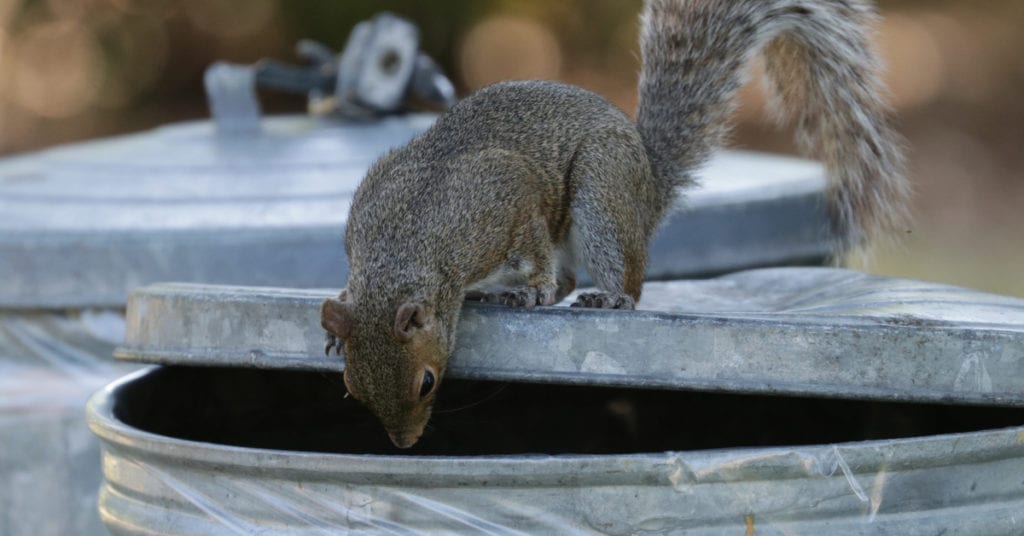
(861, 456)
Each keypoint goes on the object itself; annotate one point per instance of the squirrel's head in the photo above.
(394, 360)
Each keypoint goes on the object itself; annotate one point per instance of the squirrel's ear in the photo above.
(411, 316)
(336, 317)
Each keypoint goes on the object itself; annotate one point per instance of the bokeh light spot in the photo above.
(57, 69)
(914, 63)
(230, 18)
(137, 55)
(509, 48)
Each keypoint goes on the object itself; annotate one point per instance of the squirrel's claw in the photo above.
(475, 295)
(525, 297)
(332, 342)
(520, 297)
(604, 300)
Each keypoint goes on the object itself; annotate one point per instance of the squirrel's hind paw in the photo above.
(604, 300)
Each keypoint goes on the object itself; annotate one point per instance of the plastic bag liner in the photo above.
(49, 462)
(664, 422)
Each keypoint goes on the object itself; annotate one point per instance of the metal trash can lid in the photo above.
(81, 225)
(800, 331)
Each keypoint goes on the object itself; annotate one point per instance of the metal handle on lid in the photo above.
(379, 68)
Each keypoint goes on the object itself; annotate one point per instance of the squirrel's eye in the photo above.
(428, 383)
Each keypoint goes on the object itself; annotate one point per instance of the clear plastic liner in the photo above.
(49, 462)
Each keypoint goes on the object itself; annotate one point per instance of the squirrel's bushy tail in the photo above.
(825, 76)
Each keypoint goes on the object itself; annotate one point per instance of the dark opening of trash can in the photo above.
(304, 411)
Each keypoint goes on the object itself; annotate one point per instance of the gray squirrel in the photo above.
(523, 182)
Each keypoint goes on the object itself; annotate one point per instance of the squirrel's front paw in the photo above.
(604, 300)
(520, 297)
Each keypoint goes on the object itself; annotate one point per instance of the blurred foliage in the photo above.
(76, 69)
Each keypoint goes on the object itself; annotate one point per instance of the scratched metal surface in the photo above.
(820, 331)
(82, 224)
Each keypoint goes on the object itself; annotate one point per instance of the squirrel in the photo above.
(521, 183)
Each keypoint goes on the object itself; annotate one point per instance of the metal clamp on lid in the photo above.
(380, 67)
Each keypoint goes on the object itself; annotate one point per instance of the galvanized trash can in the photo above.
(82, 224)
(774, 401)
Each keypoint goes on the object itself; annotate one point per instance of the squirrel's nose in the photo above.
(404, 440)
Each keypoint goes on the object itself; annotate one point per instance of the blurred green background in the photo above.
(78, 69)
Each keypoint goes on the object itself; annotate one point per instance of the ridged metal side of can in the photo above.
(968, 483)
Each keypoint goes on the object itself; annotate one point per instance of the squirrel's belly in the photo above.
(516, 273)
(511, 275)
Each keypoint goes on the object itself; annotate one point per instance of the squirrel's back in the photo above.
(542, 120)
(509, 148)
